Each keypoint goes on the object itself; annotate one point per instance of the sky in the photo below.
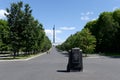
(68, 16)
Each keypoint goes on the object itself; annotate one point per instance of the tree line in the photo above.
(83, 39)
(21, 32)
(104, 35)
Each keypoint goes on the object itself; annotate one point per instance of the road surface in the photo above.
(53, 67)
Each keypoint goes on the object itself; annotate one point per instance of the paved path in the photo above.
(52, 67)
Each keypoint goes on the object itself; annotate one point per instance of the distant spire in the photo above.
(54, 34)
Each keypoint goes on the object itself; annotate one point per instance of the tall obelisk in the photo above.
(54, 34)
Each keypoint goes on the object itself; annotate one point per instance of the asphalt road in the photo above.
(53, 66)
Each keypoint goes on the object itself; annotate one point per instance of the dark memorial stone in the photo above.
(75, 60)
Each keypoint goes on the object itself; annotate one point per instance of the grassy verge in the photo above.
(111, 54)
(18, 57)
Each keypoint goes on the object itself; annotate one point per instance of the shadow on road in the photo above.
(62, 71)
(65, 71)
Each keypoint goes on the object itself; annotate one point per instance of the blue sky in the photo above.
(68, 16)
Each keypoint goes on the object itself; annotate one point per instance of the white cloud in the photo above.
(114, 8)
(2, 12)
(67, 28)
(49, 33)
(82, 13)
(59, 40)
(94, 19)
(58, 31)
(89, 13)
(86, 16)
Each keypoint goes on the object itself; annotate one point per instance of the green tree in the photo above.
(83, 39)
(87, 42)
(116, 16)
(69, 43)
(46, 44)
(15, 18)
(26, 33)
(4, 35)
(93, 27)
(107, 31)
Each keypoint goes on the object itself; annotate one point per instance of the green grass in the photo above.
(27, 56)
(111, 54)
(18, 57)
